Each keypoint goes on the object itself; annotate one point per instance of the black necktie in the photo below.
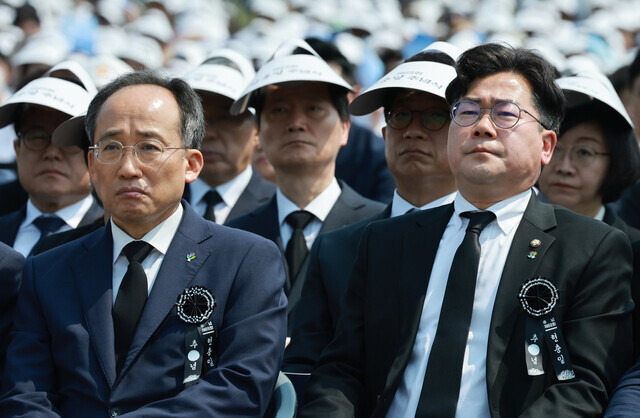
(441, 386)
(297, 246)
(131, 298)
(212, 197)
(47, 224)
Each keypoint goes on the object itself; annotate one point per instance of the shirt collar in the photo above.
(508, 212)
(600, 215)
(159, 237)
(72, 214)
(229, 192)
(319, 207)
(400, 206)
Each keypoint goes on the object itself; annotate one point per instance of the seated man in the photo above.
(495, 305)
(227, 186)
(160, 312)
(416, 152)
(55, 178)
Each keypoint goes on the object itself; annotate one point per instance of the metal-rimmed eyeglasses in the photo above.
(38, 140)
(505, 115)
(148, 151)
(430, 120)
(580, 155)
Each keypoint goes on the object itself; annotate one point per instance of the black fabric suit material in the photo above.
(588, 261)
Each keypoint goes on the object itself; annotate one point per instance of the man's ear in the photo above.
(549, 141)
(194, 163)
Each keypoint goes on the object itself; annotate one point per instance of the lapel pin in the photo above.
(532, 254)
(535, 243)
(191, 256)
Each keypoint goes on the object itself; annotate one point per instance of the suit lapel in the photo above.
(518, 268)
(343, 211)
(174, 276)
(257, 193)
(418, 252)
(10, 224)
(92, 272)
(94, 213)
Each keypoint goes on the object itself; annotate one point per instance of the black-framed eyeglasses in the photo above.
(430, 120)
(580, 155)
(38, 140)
(148, 151)
(505, 115)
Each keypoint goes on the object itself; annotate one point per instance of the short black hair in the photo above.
(192, 123)
(634, 69)
(624, 166)
(329, 52)
(492, 58)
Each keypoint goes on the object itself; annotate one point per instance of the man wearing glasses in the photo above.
(417, 117)
(55, 178)
(160, 312)
(497, 305)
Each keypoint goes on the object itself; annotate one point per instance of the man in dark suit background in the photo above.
(11, 263)
(301, 106)
(227, 187)
(360, 163)
(417, 117)
(159, 313)
(55, 178)
(530, 317)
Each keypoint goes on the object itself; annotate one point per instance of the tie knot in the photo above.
(212, 197)
(299, 219)
(136, 251)
(47, 224)
(478, 220)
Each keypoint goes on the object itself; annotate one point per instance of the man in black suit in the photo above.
(303, 118)
(417, 118)
(55, 178)
(228, 187)
(11, 263)
(498, 305)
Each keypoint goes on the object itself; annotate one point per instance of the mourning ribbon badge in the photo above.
(538, 297)
(195, 307)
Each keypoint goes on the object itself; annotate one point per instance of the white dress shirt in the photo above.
(159, 237)
(29, 234)
(229, 192)
(319, 207)
(495, 241)
(399, 206)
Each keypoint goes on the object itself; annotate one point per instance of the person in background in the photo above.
(415, 138)
(227, 186)
(55, 178)
(304, 121)
(11, 263)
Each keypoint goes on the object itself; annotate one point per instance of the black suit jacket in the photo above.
(11, 263)
(13, 197)
(588, 261)
(349, 208)
(257, 193)
(314, 322)
(10, 223)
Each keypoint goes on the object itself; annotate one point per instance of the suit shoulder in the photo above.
(251, 220)
(570, 220)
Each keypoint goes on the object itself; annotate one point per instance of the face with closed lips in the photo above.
(300, 127)
(53, 177)
(570, 184)
(415, 151)
(229, 140)
(141, 196)
(491, 164)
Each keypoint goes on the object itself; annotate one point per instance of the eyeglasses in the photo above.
(38, 140)
(148, 151)
(431, 121)
(579, 155)
(505, 115)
